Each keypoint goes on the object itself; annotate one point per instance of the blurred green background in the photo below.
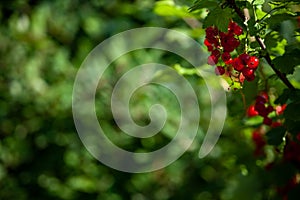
(42, 45)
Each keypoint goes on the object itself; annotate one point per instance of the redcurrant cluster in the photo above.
(291, 154)
(221, 44)
(259, 141)
(263, 108)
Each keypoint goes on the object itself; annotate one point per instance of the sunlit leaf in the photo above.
(218, 17)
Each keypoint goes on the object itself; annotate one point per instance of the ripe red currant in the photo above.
(216, 53)
(208, 45)
(280, 109)
(237, 64)
(267, 121)
(270, 109)
(259, 106)
(211, 34)
(251, 111)
(244, 58)
(253, 62)
(263, 96)
(238, 30)
(211, 31)
(219, 70)
(226, 56)
(212, 60)
(248, 73)
(229, 43)
(235, 28)
(276, 124)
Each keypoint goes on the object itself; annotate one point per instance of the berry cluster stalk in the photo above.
(282, 76)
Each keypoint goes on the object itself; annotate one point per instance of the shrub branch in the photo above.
(267, 56)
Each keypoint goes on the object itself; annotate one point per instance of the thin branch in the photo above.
(269, 13)
(282, 76)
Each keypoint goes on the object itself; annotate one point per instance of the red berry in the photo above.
(257, 137)
(228, 42)
(208, 45)
(219, 70)
(244, 58)
(226, 56)
(259, 141)
(216, 53)
(250, 78)
(259, 106)
(262, 98)
(233, 27)
(211, 31)
(280, 109)
(267, 121)
(248, 73)
(237, 64)
(253, 62)
(212, 60)
(270, 108)
(251, 112)
(276, 124)
(238, 30)
(263, 113)
(229, 62)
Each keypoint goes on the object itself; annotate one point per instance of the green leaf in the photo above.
(272, 39)
(288, 62)
(286, 1)
(275, 135)
(282, 99)
(200, 4)
(250, 90)
(275, 20)
(258, 2)
(292, 126)
(292, 111)
(169, 8)
(218, 17)
(295, 95)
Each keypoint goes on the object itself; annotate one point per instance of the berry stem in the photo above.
(282, 76)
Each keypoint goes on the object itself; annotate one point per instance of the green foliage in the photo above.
(275, 136)
(169, 8)
(288, 61)
(218, 17)
(200, 4)
(42, 45)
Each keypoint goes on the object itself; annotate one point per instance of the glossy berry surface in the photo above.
(244, 58)
(216, 53)
(212, 60)
(219, 70)
(233, 27)
(251, 112)
(237, 64)
(226, 56)
(221, 44)
(253, 62)
(248, 73)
